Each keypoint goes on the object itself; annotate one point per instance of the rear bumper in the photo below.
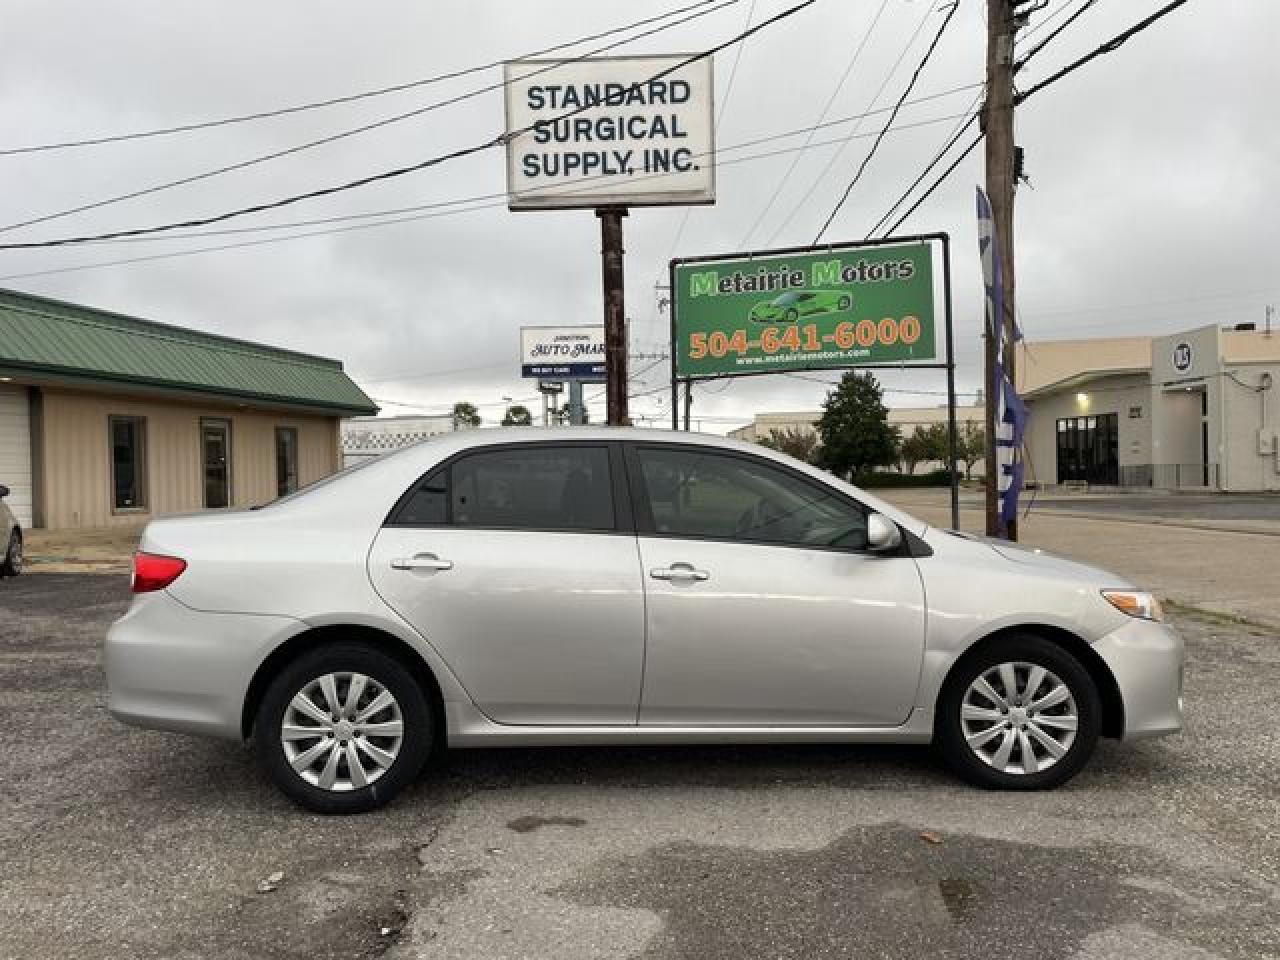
(173, 668)
(1146, 659)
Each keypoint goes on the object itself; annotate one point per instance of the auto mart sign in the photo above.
(562, 353)
(609, 132)
(832, 307)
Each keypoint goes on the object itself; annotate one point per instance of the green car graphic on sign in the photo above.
(794, 304)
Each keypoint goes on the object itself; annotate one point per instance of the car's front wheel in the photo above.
(11, 562)
(343, 728)
(1022, 714)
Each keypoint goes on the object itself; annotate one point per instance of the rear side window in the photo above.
(533, 488)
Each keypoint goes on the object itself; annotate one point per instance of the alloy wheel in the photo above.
(342, 731)
(1019, 718)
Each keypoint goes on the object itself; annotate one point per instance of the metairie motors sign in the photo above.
(563, 353)
(610, 131)
(829, 307)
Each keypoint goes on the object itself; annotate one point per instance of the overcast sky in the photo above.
(1152, 204)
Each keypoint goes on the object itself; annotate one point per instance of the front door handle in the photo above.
(681, 572)
(421, 561)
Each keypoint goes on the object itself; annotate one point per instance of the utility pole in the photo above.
(615, 323)
(997, 123)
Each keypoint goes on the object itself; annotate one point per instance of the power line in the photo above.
(783, 135)
(831, 162)
(892, 116)
(350, 132)
(724, 106)
(1109, 47)
(456, 209)
(956, 134)
(934, 186)
(782, 182)
(498, 140)
(1049, 39)
(937, 158)
(334, 101)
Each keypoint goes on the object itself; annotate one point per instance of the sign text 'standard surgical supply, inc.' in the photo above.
(609, 132)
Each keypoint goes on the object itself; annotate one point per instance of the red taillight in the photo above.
(153, 571)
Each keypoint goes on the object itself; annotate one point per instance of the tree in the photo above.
(926, 443)
(517, 416)
(794, 442)
(971, 445)
(465, 415)
(854, 427)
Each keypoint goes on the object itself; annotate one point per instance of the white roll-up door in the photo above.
(15, 450)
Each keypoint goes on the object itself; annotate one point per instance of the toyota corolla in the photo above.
(605, 586)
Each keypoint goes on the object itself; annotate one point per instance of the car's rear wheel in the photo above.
(792, 315)
(1020, 714)
(343, 728)
(844, 303)
(11, 565)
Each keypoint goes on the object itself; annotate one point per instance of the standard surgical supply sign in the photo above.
(611, 131)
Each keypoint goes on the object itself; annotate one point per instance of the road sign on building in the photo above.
(829, 307)
(609, 132)
(562, 353)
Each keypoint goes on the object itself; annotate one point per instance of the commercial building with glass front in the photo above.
(108, 420)
(1191, 410)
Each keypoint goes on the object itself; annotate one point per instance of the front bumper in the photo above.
(170, 667)
(1146, 658)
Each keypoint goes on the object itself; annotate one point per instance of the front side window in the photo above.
(701, 494)
(534, 488)
(128, 463)
(286, 461)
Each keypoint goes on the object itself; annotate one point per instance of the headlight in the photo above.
(1136, 603)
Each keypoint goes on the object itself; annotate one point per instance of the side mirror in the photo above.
(4, 491)
(883, 534)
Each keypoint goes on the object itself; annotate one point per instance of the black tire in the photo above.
(844, 303)
(414, 748)
(949, 734)
(792, 316)
(11, 565)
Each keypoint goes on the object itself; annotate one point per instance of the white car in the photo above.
(597, 585)
(10, 538)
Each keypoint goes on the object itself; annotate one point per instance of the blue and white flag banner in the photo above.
(1011, 412)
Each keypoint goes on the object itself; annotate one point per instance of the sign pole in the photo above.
(615, 324)
(671, 315)
(576, 407)
(952, 433)
(688, 402)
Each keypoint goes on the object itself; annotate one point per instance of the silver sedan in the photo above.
(605, 586)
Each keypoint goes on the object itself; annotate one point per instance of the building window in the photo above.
(1089, 449)
(128, 463)
(286, 460)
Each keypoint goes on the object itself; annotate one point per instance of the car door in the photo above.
(518, 563)
(764, 606)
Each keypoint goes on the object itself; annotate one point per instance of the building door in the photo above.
(15, 450)
(215, 444)
(1089, 449)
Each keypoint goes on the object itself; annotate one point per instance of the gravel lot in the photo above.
(123, 843)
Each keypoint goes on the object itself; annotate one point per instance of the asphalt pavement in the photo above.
(118, 842)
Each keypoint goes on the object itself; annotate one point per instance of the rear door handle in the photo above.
(421, 561)
(682, 572)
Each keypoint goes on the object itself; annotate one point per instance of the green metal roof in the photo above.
(70, 342)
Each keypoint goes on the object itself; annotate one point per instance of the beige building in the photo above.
(1195, 409)
(109, 420)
